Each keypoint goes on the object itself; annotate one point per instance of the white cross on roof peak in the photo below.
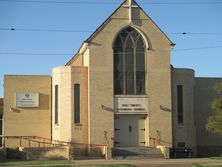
(130, 6)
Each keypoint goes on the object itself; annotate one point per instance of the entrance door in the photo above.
(129, 131)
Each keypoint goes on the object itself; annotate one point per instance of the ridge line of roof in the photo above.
(94, 33)
(91, 36)
(155, 24)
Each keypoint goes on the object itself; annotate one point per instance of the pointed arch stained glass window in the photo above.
(129, 63)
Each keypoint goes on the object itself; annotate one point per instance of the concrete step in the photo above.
(138, 157)
(137, 153)
(80, 153)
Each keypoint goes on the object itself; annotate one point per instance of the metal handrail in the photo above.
(53, 143)
(164, 149)
(50, 141)
(159, 141)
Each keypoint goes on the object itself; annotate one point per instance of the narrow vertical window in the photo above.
(76, 103)
(180, 103)
(0, 126)
(181, 144)
(140, 67)
(1, 121)
(129, 68)
(118, 67)
(1, 130)
(56, 104)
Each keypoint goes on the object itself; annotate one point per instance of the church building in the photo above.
(119, 89)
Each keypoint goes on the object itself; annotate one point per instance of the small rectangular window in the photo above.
(1, 132)
(180, 104)
(0, 127)
(56, 104)
(0, 141)
(181, 144)
(76, 103)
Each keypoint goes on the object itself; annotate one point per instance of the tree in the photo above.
(214, 122)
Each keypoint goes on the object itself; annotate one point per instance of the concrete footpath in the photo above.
(150, 162)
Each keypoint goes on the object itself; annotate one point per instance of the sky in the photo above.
(37, 35)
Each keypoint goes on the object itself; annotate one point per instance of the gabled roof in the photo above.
(103, 24)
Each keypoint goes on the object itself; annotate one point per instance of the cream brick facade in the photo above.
(158, 80)
(66, 130)
(20, 121)
(93, 68)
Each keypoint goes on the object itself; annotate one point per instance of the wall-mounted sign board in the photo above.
(27, 99)
(130, 105)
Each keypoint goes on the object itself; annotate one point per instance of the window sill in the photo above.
(131, 96)
(77, 124)
(56, 126)
(180, 125)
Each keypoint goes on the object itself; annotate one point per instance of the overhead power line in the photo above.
(60, 2)
(195, 33)
(90, 31)
(108, 3)
(57, 54)
(42, 30)
(26, 53)
(199, 48)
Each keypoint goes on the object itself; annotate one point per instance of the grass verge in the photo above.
(210, 164)
(216, 158)
(108, 165)
(54, 163)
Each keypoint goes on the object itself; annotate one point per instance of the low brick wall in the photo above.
(2, 154)
(15, 154)
(57, 153)
(206, 151)
(82, 152)
(109, 153)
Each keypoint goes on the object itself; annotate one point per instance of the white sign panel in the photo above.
(131, 104)
(27, 99)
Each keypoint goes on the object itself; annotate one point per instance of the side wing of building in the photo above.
(184, 129)
(191, 100)
(205, 94)
(27, 107)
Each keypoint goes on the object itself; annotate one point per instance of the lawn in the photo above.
(110, 165)
(210, 164)
(63, 163)
(55, 163)
(216, 158)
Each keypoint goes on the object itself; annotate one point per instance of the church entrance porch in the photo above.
(129, 130)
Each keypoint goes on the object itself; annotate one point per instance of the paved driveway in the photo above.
(150, 163)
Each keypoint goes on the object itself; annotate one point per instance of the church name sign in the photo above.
(130, 104)
(27, 99)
